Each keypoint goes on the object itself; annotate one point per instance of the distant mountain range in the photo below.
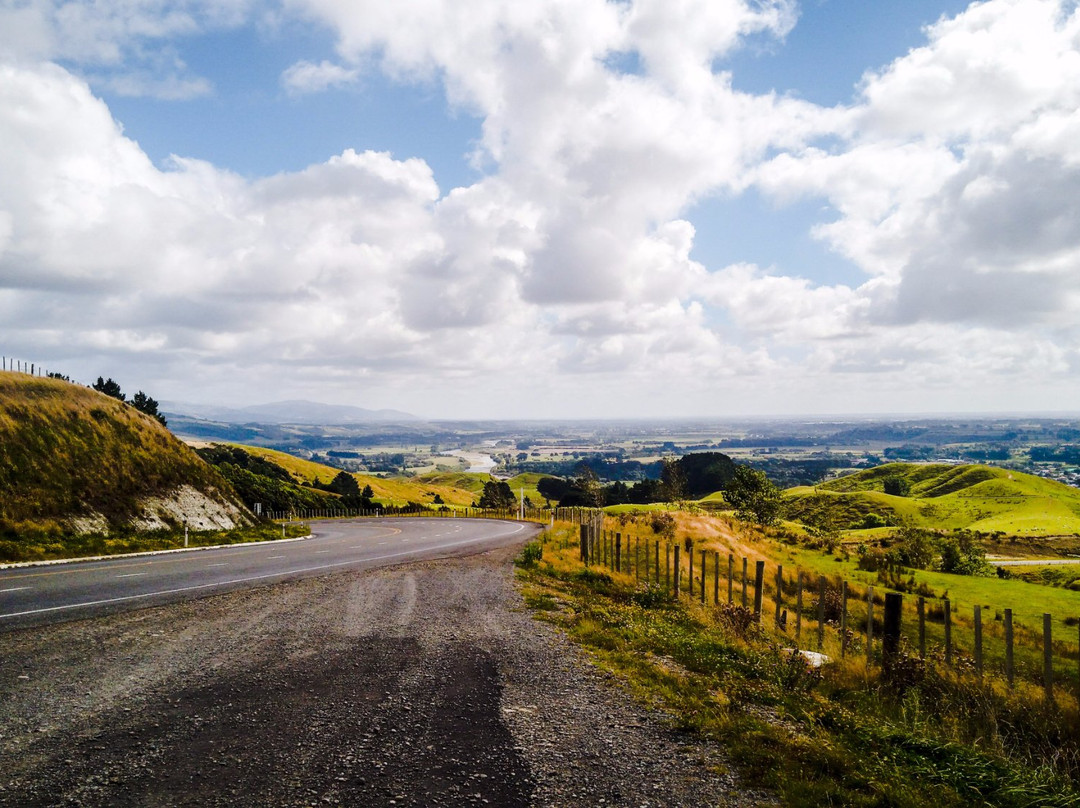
(286, 412)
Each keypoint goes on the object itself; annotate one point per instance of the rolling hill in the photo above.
(972, 497)
(75, 461)
(455, 488)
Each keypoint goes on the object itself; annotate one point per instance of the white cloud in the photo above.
(954, 179)
(308, 77)
(123, 46)
(957, 183)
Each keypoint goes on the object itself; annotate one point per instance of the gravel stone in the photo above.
(425, 684)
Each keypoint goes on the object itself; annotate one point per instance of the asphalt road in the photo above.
(41, 595)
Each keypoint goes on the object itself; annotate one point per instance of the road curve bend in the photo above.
(36, 596)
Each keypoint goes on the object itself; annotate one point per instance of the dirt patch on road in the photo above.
(420, 685)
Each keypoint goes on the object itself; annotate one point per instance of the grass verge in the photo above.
(830, 736)
(100, 544)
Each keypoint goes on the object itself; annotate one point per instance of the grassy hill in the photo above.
(973, 497)
(74, 461)
(454, 488)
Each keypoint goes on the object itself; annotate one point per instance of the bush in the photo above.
(962, 555)
(530, 554)
(650, 595)
(736, 619)
(663, 524)
(591, 577)
(872, 520)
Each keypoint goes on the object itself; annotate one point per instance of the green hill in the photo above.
(972, 497)
(454, 488)
(75, 461)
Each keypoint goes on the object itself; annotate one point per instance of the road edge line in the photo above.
(51, 561)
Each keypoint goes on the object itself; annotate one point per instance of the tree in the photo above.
(672, 480)
(914, 547)
(497, 495)
(109, 388)
(585, 491)
(896, 485)
(706, 472)
(754, 496)
(961, 554)
(552, 488)
(367, 493)
(345, 485)
(617, 493)
(143, 403)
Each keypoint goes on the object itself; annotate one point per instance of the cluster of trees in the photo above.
(959, 552)
(691, 476)
(1055, 454)
(140, 401)
(258, 480)
(346, 487)
(605, 465)
(896, 485)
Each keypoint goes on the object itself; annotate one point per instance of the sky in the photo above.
(547, 209)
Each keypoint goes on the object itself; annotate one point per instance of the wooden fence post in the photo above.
(690, 582)
(618, 552)
(584, 546)
(798, 608)
(677, 570)
(759, 586)
(702, 576)
(779, 591)
(716, 578)
(890, 638)
(667, 568)
(1009, 647)
(657, 565)
(922, 627)
(730, 577)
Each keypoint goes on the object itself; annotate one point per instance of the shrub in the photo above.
(650, 595)
(961, 554)
(663, 524)
(530, 554)
(872, 520)
(736, 619)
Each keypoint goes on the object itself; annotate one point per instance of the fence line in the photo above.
(844, 614)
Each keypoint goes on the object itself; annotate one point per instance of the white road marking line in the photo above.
(274, 558)
(131, 575)
(13, 589)
(321, 552)
(382, 543)
(222, 564)
(238, 580)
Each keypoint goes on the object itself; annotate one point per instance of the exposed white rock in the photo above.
(189, 506)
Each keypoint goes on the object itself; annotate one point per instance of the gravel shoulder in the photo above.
(424, 684)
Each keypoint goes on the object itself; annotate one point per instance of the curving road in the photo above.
(40, 595)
